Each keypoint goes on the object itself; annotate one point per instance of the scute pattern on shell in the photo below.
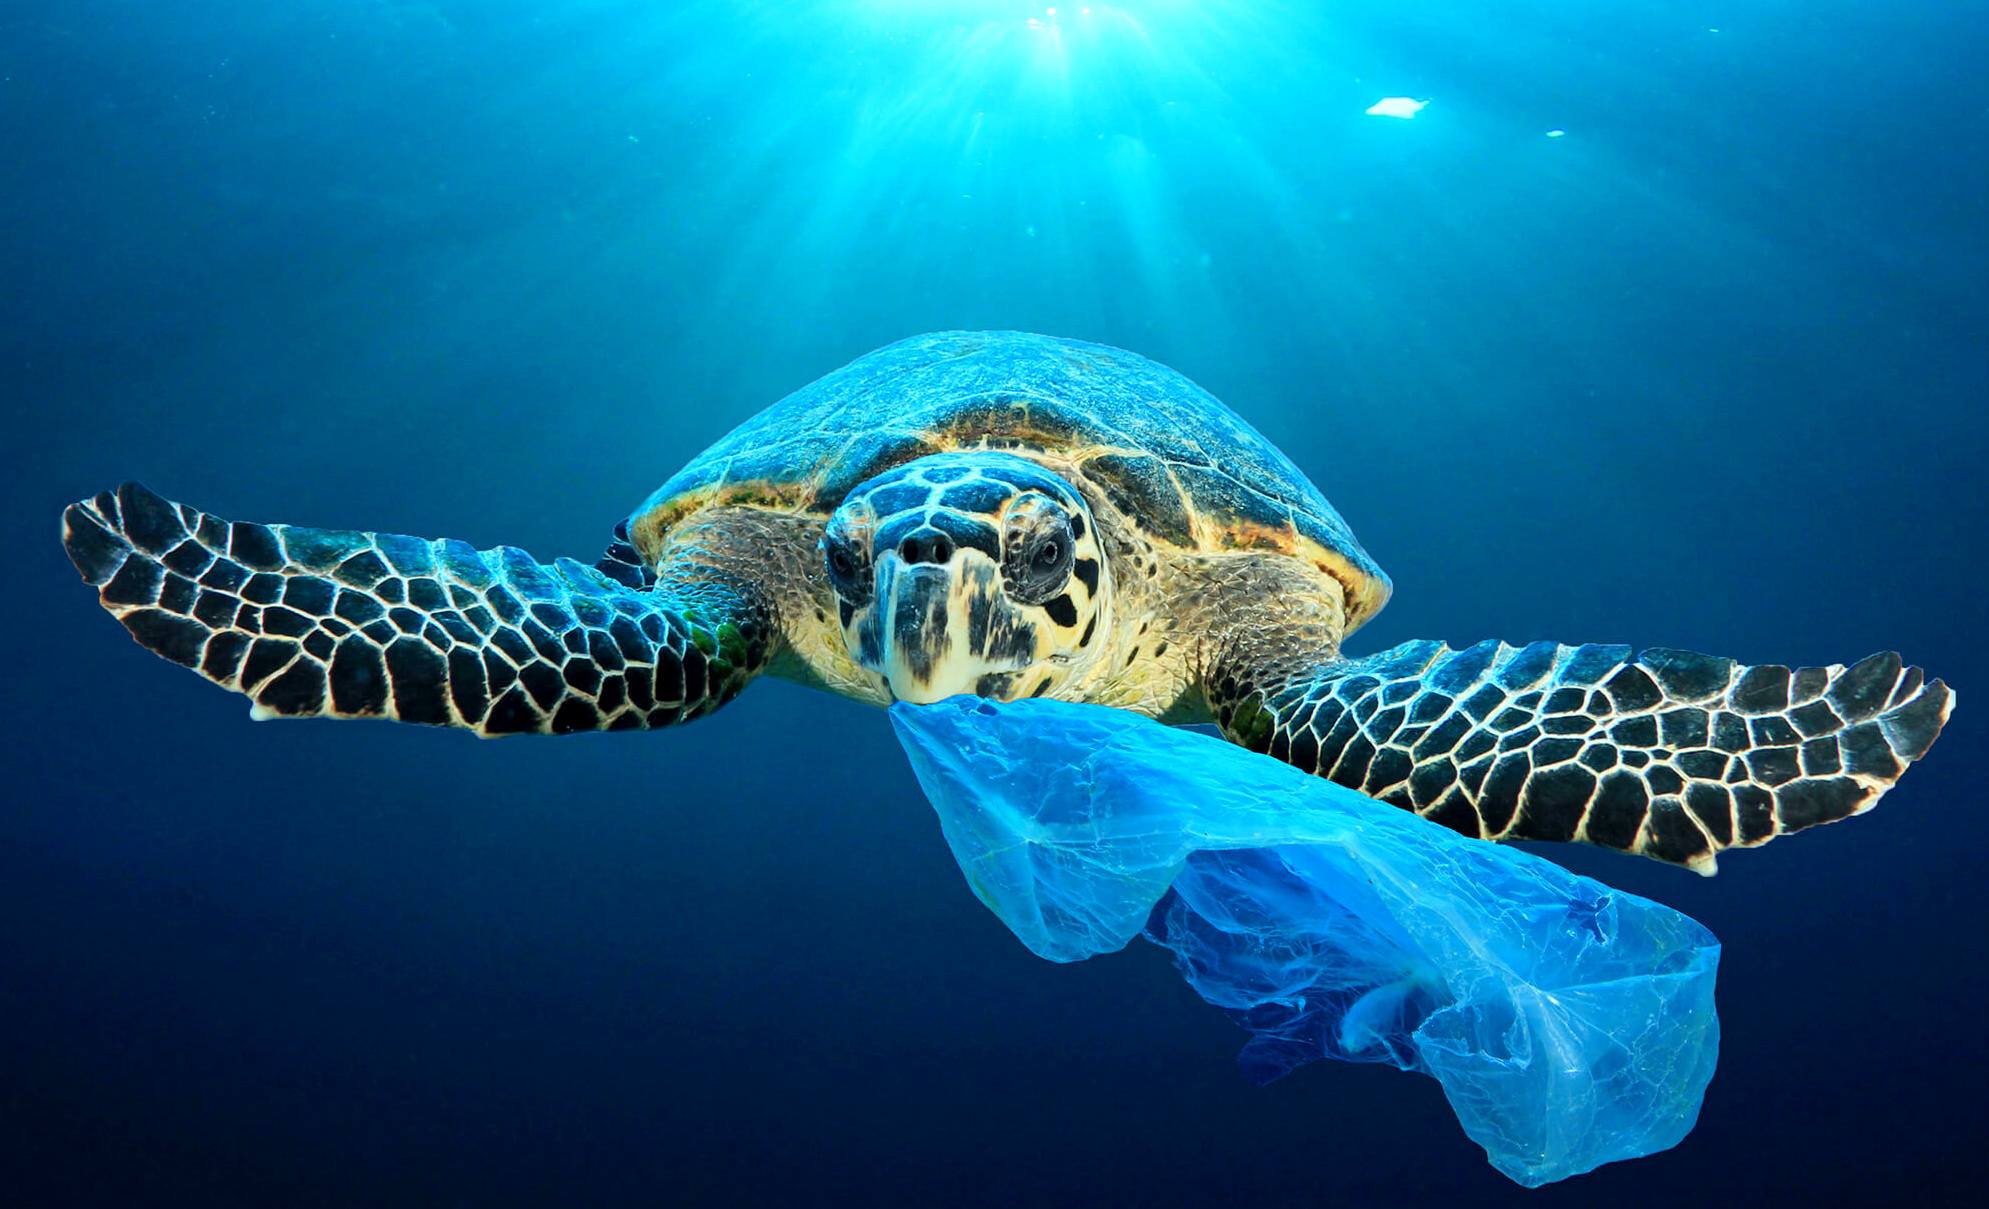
(1188, 468)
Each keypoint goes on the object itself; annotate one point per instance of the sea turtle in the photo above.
(1013, 516)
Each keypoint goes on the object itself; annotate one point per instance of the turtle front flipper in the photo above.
(342, 624)
(1669, 754)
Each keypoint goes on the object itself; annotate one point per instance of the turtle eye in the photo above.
(847, 570)
(1038, 567)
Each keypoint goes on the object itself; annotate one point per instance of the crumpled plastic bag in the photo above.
(1570, 1024)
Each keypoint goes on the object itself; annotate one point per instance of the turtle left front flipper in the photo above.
(1669, 754)
(344, 624)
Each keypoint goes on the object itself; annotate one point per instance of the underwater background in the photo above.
(1663, 323)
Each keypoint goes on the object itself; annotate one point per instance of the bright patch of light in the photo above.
(1557, 134)
(1396, 107)
(1022, 138)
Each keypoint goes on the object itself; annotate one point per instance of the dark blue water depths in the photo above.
(1706, 371)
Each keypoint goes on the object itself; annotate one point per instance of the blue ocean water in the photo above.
(1706, 369)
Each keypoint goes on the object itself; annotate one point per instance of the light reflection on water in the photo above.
(1213, 164)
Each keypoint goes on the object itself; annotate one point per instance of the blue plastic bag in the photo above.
(1570, 1024)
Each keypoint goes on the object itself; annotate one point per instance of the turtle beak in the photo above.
(935, 622)
(916, 621)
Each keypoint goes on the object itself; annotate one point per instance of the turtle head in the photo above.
(967, 573)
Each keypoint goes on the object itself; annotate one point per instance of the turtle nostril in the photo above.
(926, 547)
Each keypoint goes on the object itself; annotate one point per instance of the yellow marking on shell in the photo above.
(646, 531)
(1364, 594)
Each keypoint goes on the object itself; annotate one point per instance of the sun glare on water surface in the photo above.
(1154, 151)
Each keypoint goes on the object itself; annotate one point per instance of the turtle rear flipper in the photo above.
(1669, 754)
(344, 624)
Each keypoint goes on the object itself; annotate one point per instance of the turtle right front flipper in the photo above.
(1669, 754)
(337, 623)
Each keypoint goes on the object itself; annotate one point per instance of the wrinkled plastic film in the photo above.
(1569, 1024)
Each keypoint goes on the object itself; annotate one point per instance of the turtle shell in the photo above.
(1185, 467)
